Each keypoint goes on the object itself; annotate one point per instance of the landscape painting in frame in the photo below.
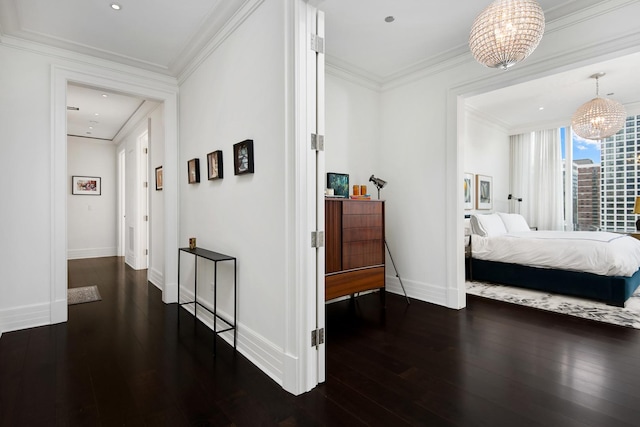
(86, 185)
(484, 192)
(468, 191)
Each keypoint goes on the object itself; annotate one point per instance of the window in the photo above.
(606, 179)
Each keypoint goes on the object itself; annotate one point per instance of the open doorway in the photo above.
(166, 98)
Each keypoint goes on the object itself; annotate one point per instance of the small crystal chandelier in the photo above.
(506, 32)
(599, 118)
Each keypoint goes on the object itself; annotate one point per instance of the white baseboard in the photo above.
(28, 316)
(156, 277)
(426, 292)
(91, 253)
(261, 352)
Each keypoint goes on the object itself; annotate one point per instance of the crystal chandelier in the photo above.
(599, 118)
(506, 32)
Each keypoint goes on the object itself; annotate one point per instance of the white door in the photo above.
(316, 165)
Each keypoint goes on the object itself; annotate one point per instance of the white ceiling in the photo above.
(101, 114)
(163, 36)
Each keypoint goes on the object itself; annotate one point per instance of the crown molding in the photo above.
(241, 15)
(61, 54)
(350, 75)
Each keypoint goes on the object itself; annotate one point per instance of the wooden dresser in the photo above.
(354, 244)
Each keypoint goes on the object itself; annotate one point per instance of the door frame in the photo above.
(147, 85)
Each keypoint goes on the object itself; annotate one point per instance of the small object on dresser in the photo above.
(192, 243)
(356, 190)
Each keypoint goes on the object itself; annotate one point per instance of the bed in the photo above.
(601, 266)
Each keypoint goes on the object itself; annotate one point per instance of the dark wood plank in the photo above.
(124, 361)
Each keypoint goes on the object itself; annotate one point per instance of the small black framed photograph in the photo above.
(159, 178)
(243, 157)
(86, 185)
(193, 168)
(339, 182)
(214, 163)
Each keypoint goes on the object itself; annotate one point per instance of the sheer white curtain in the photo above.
(536, 178)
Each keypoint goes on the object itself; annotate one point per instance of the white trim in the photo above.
(156, 278)
(135, 84)
(229, 28)
(26, 316)
(432, 292)
(91, 253)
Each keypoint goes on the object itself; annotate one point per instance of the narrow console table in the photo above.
(216, 258)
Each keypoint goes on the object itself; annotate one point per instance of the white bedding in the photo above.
(598, 252)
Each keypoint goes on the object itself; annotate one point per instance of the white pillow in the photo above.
(487, 225)
(514, 222)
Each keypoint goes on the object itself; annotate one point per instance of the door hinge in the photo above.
(317, 239)
(317, 43)
(145, 184)
(317, 337)
(317, 142)
(146, 217)
(146, 251)
(145, 150)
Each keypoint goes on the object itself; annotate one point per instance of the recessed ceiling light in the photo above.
(115, 6)
(104, 95)
(90, 127)
(389, 19)
(540, 108)
(96, 114)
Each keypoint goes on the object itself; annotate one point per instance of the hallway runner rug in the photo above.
(83, 294)
(628, 316)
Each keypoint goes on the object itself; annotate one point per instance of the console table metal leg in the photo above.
(235, 302)
(195, 294)
(215, 308)
(179, 251)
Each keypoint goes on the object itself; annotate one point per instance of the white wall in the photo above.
(352, 131)
(25, 168)
(486, 152)
(91, 220)
(238, 93)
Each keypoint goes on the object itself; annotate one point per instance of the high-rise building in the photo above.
(619, 177)
(587, 211)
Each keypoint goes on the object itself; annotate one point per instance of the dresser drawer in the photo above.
(367, 207)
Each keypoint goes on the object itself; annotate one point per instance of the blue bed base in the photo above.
(613, 290)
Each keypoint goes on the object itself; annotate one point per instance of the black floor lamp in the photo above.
(379, 183)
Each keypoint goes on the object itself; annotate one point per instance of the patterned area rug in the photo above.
(83, 294)
(628, 316)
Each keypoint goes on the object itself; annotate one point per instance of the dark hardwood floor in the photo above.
(123, 361)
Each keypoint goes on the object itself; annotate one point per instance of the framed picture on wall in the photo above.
(159, 178)
(86, 185)
(193, 168)
(214, 165)
(243, 157)
(484, 192)
(468, 191)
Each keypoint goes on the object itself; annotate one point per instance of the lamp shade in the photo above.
(636, 207)
(506, 32)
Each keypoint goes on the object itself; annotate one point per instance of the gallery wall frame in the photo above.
(193, 169)
(159, 178)
(214, 165)
(468, 191)
(243, 157)
(86, 185)
(484, 192)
